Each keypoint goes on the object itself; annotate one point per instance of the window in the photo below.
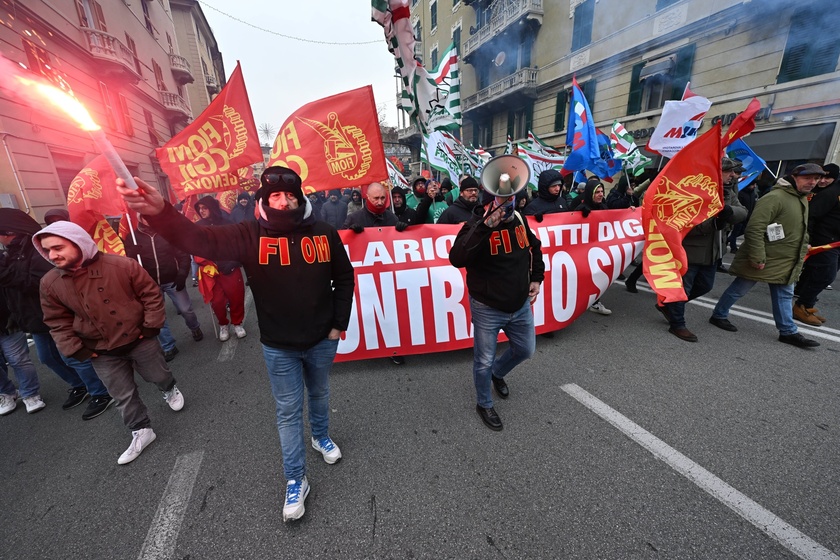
(126, 115)
(147, 17)
(654, 82)
(662, 4)
(433, 56)
(588, 89)
(560, 110)
(433, 18)
(482, 75)
(582, 31)
(133, 48)
(520, 121)
(525, 50)
(482, 133)
(812, 47)
(109, 108)
(161, 85)
(38, 58)
(98, 16)
(169, 42)
(456, 39)
(154, 137)
(80, 10)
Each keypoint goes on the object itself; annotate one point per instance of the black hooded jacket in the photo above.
(545, 202)
(587, 205)
(459, 212)
(217, 217)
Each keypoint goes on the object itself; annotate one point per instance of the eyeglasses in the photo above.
(274, 178)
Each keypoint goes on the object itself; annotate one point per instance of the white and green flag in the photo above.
(397, 178)
(539, 162)
(626, 150)
(440, 150)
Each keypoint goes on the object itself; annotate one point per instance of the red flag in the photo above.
(206, 155)
(92, 195)
(687, 92)
(334, 142)
(743, 124)
(687, 192)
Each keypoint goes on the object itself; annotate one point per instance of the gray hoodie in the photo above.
(71, 232)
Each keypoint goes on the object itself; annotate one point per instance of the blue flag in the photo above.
(580, 134)
(753, 165)
(606, 166)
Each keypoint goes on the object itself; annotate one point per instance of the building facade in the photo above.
(518, 58)
(122, 61)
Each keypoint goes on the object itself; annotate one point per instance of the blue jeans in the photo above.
(487, 322)
(182, 303)
(16, 352)
(77, 374)
(288, 372)
(698, 280)
(781, 296)
(165, 337)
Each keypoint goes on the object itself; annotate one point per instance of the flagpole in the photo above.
(771, 173)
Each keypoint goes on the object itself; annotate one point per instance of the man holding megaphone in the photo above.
(504, 271)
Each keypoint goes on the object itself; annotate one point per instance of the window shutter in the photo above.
(560, 111)
(582, 30)
(634, 100)
(529, 118)
(682, 71)
(588, 90)
(126, 115)
(511, 122)
(98, 15)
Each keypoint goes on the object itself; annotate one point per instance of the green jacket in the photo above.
(783, 258)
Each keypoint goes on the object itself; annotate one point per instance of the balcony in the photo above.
(212, 83)
(505, 14)
(519, 85)
(409, 134)
(176, 106)
(181, 69)
(115, 59)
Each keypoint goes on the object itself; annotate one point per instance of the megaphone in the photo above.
(504, 176)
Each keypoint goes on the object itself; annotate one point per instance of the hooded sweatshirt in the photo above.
(104, 306)
(217, 217)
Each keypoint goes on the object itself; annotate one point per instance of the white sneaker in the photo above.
(140, 440)
(174, 398)
(239, 330)
(599, 308)
(224, 334)
(296, 493)
(327, 447)
(34, 403)
(8, 402)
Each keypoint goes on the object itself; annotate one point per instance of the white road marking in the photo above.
(763, 519)
(163, 534)
(228, 350)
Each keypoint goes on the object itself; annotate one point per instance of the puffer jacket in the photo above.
(783, 258)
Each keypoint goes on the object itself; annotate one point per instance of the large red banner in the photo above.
(333, 143)
(207, 155)
(93, 195)
(410, 300)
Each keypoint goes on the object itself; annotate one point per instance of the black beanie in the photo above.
(832, 170)
(18, 222)
(469, 182)
(280, 175)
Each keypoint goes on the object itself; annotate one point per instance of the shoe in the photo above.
(97, 406)
(140, 440)
(296, 493)
(240, 331)
(631, 287)
(174, 398)
(195, 283)
(76, 397)
(33, 403)
(683, 334)
(169, 355)
(500, 386)
(829, 287)
(733, 250)
(798, 340)
(399, 360)
(198, 335)
(801, 314)
(723, 324)
(665, 313)
(327, 447)
(490, 418)
(224, 334)
(721, 268)
(8, 402)
(599, 308)
(621, 277)
(814, 311)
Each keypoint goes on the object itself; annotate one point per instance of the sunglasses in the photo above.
(7, 233)
(274, 178)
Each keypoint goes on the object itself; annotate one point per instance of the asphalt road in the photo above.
(755, 421)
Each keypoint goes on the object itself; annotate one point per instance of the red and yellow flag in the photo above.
(206, 156)
(92, 196)
(333, 143)
(687, 192)
(743, 124)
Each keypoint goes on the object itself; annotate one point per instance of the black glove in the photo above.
(585, 211)
(539, 218)
(726, 213)
(180, 284)
(357, 228)
(400, 226)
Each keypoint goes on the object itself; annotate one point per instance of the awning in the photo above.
(802, 142)
(658, 66)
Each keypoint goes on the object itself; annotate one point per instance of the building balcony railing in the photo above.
(212, 83)
(181, 69)
(505, 14)
(408, 133)
(115, 58)
(523, 82)
(175, 105)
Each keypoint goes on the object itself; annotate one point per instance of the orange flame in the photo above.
(60, 99)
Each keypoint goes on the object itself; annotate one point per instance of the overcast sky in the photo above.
(282, 74)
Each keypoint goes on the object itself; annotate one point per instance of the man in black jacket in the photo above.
(303, 285)
(168, 267)
(401, 209)
(375, 212)
(549, 195)
(504, 271)
(462, 208)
